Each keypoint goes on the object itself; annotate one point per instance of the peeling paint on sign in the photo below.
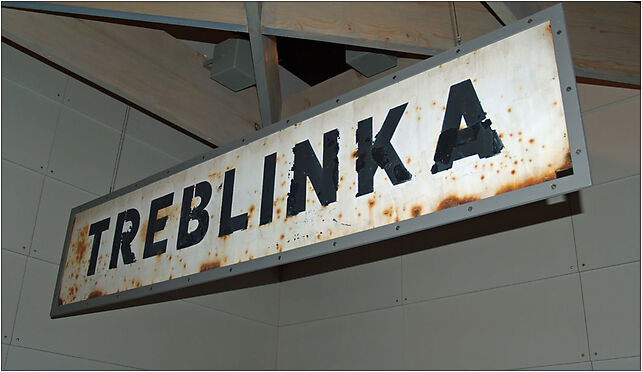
(364, 164)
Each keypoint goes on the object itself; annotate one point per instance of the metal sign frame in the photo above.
(580, 178)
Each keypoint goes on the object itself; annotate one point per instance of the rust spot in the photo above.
(510, 134)
(318, 236)
(82, 245)
(519, 133)
(548, 29)
(474, 80)
(482, 177)
(170, 277)
(520, 139)
(443, 108)
(532, 140)
(340, 215)
(416, 211)
(330, 232)
(549, 165)
(138, 284)
(282, 185)
(210, 265)
(408, 160)
(278, 211)
(515, 162)
(501, 135)
(554, 103)
(434, 103)
(371, 202)
(512, 172)
(251, 257)
(359, 214)
(96, 293)
(341, 179)
(453, 201)
(251, 210)
(388, 212)
(543, 146)
(354, 154)
(282, 236)
(528, 182)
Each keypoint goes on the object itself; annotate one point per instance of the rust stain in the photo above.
(96, 293)
(211, 265)
(453, 201)
(512, 172)
(548, 29)
(354, 154)
(416, 211)
(434, 103)
(408, 160)
(250, 211)
(371, 202)
(282, 236)
(340, 215)
(482, 177)
(568, 163)
(532, 140)
(82, 245)
(388, 212)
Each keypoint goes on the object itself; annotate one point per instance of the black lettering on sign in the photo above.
(324, 179)
(156, 224)
(477, 138)
(198, 213)
(228, 223)
(267, 193)
(380, 154)
(123, 239)
(96, 229)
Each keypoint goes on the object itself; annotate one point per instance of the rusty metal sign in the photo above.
(488, 125)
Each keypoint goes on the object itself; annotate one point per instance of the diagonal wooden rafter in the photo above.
(145, 66)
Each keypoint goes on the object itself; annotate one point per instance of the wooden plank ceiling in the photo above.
(159, 73)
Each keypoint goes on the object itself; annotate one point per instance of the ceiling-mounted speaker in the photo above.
(368, 63)
(231, 64)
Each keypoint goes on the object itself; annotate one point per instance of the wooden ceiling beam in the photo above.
(145, 66)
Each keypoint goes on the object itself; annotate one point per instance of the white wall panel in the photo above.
(28, 126)
(138, 161)
(360, 288)
(84, 152)
(21, 359)
(613, 140)
(160, 136)
(20, 197)
(533, 324)
(370, 340)
(584, 366)
(13, 266)
(528, 253)
(95, 104)
(607, 232)
(623, 364)
(259, 303)
(57, 200)
(612, 304)
(593, 96)
(32, 74)
(171, 335)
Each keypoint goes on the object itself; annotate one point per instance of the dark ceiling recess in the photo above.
(311, 61)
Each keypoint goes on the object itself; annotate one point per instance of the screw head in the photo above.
(470, 209)
(559, 32)
(568, 89)
(397, 227)
(530, 20)
(256, 126)
(553, 186)
(578, 151)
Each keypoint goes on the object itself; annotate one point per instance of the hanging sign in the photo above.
(428, 147)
